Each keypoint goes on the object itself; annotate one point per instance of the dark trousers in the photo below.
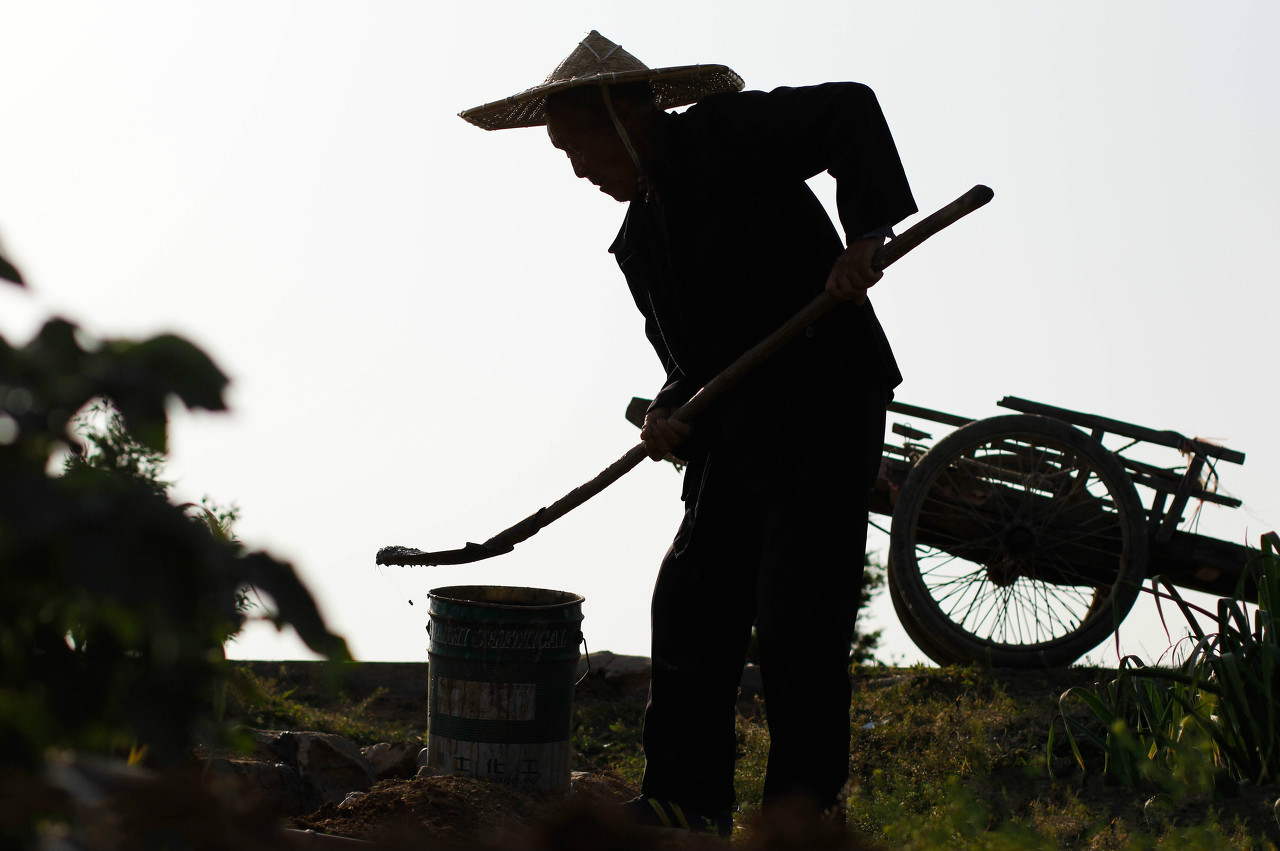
(777, 542)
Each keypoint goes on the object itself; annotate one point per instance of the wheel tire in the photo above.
(928, 643)
(1017, 541)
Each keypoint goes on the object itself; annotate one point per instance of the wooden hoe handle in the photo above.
(506, 540)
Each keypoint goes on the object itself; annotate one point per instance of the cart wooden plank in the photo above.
(1168, 438)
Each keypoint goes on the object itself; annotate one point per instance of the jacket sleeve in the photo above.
(674, 393)
(796, 133)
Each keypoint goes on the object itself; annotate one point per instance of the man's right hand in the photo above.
(854, 273)
(662, 433)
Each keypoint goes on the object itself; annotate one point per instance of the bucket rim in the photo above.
(451, 594)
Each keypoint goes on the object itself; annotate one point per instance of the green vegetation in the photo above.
(116, 601)
(942, 758)
(1211, 721)
(266, 703)
(606, 730)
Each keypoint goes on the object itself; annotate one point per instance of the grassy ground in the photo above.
(953, 757)
(268, 703)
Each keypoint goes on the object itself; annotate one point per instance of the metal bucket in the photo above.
(503, 662)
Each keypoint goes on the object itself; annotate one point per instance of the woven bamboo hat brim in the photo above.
(596, 61)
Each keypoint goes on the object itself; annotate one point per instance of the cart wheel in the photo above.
(1017, 541)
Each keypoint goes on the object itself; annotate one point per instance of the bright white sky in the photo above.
(428, 340)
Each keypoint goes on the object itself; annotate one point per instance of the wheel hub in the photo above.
(1015, 543)
(1019, 540)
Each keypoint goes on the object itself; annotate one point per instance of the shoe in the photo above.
(655, 812)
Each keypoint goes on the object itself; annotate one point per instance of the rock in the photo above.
(601, 787)
(274, 781)
(281, 745)
(393, 759)
(333, 766)
(352, 799)
(329, 765)
(612, 666)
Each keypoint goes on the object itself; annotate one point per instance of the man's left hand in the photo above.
(853, 273)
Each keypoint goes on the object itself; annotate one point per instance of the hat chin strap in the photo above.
(643, 188)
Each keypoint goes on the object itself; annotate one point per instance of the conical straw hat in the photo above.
(598, 61)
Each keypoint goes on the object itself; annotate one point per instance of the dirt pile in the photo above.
(461, 812)
(465, 813)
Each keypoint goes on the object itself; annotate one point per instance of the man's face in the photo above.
(594, 149)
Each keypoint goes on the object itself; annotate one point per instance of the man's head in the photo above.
(596, 61)
(608, 142)
(580, 124)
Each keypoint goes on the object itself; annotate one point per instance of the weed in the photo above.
(1211, 720)
(753, 757)
(263, 702)
(607, 733)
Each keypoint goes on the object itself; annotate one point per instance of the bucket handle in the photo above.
(587, 653)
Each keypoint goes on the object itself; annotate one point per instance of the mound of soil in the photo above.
(437, 812)
(462, 812)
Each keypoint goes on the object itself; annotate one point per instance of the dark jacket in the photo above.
(733, 243)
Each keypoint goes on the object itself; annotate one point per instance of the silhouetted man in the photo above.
(722, 242)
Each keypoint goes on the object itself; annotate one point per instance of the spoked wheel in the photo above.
(1017, 541)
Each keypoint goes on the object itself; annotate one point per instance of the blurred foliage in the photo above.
(1212, 720)
(116, 601)
(107, 445)
(7, 270)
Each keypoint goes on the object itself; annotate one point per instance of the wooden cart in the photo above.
(1021, 540)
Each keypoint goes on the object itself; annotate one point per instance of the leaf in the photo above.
(184, 370)
(145, 417)
(1098, 707)
(139, 377)
(294, 604)
(56, 346)
(10, 273)
(167, 364)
